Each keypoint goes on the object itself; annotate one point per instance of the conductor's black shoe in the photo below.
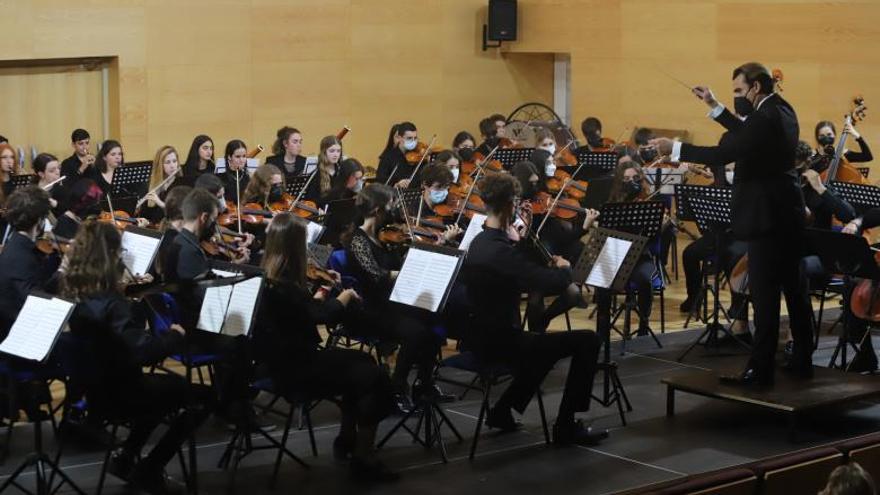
(372, 472)
(575, 433)
(751, 377)
(502, 419)
(155, 482)
(121, 464)
(687, 305)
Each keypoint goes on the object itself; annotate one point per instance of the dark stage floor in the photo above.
(705, 434)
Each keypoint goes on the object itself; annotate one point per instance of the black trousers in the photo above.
(696, 253)
(161, 396)
(773, 269)
(534, 355)
(642, 278)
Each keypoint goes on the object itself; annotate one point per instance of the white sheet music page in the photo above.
(36, 327)
(242, 305)
(608, 262)
(313, 232)
(424, 278)
(215, 305)
(474, 228)
(138, 251)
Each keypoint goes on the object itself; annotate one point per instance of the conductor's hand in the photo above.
(560, 262)
(663, 145)
(705, 94)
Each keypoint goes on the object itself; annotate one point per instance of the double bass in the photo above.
(839, 169)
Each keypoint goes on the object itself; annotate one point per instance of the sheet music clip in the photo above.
(131, 179)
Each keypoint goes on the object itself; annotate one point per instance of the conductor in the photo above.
(767, 211)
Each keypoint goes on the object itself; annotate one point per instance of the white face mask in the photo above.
(729, 176)
(358, 185)
(551, 149)
(410, 145)
(455, 175)
(550, 169)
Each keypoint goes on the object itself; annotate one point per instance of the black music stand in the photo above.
(20, 181)
(411, 198)
(613, 391)
(296, 184)
(131, 179)
(861, 196)
(598, 192)
(511, 156)
(713, 218)
(850, 256)
(596, 163)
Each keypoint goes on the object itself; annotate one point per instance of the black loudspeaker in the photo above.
(502, 20)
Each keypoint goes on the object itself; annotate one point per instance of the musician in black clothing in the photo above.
(496, 272)
(287, 340)
(23, 269)
(235, 179)
(393, 168)
(165, 165)
(200, 159)
(117, 349)
(825, 133)
(47, 171)
(324, 176)
(172, 223)
(348, 181)
(288, 149)
(83, 200)
(110, 157)
(492, 131)
(435, 179)
(767, 211)
(8, 169)
(81, 162)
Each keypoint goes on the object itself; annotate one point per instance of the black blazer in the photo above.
(766, 192)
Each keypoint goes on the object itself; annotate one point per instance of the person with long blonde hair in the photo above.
(266, 186)
(165, 164)
(329, 156)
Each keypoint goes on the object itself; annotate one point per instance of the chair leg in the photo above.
(662, 311)
(567, 321)
(287, 425)
(540, 394)
(307, 416)
(103, 474)
(484, 409)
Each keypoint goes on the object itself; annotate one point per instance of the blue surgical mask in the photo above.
(438, 196)
(410, 144)
(455, 175)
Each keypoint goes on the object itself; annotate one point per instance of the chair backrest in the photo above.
(339, 262)
(165, 312)
(800, 475)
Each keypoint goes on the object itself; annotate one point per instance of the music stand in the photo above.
(850, 256)
(131, 179)
(511, 156)
(861, 196)
(320, 253)
(613, 390)
(20, 181)
(296, 184)
(596, 163)
(598, 192)
(411, 198)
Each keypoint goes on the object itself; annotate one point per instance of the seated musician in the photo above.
(376, 267)
(436, 179)
(165, 165)
(393, 167)
(349, 181)
(561, 237)
(200, 159)
(8, 168)
(287, 340)
(117, 350)
(866, 359)
(236, 178)
(591, 128)
(492, 131)
(464, 143)
(329, 156)
(214, 185)
(496, 272)
(23, 268)
(452, 161)
(288, 152)
(265, 187)
(172, 223)
(48, 170)
(641, 136)
(83, 200)
(81, 162)
(108, 160)
(825, 134)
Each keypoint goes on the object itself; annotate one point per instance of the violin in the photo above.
(576, 189)
(415, 156)
(320, 275)
(222, 245)
(231, 216)
(565, 208)
(490, 166)
(301, 208)
(119, 218)
(48, 245)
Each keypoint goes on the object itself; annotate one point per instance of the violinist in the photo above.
(495, 274)
(172, 223)
(349, 181)
(22, 267)
(641, 136)
(591, 128)
(451, 160)
(265, 187)
(393, 168)
(83, 200)
(376, 267)
(492, 131)
(288, 152)
(825, 134)
(81, 162)
(436, 179)
(200, 159)
(48, 170)
(108, 160)
(236, 178)
(329, 156)
(822, 201)
(289, 343)
(464, 144)
(8, 168)
(118, 348)
(165, 165)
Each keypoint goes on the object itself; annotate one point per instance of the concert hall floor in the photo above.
(705, 434)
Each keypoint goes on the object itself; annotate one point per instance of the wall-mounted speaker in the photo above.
(501, 23)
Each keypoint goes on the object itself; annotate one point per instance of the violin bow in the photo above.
(424, 155)
(238, 197)
(473, 184)
(556, 200)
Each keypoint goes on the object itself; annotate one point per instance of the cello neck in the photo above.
(838, 154)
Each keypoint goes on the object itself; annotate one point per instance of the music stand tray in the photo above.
(511, 156)
(132, 179)
(861, 196)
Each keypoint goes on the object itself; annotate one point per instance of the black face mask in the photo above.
(91, 210)
(633, 188)
(825, 140)
(275, 194)
(466, 154)
(742, 106)
(209, 231)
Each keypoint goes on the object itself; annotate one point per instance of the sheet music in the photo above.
(474, 228)
(424, 279)
(214, 307)
(242, 305)
(313, 232)
(608, 262)
(138, 251)
(311, 165)
(34, 331)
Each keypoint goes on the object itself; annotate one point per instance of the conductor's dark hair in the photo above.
(26, 207)
(79, 135)
(754, 72)
(198, 201)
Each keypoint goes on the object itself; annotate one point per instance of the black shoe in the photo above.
(372, 472)
(502, 419)
(643, 330)
(686, 306)
(431, 393)
(863, 362)
(402, 404)
(155, 482)
(574, 433)
(121, 464)
(748, 378)
(342, 448)
(788, 350)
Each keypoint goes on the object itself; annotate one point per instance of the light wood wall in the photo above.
(243, 68)
(827, 52)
